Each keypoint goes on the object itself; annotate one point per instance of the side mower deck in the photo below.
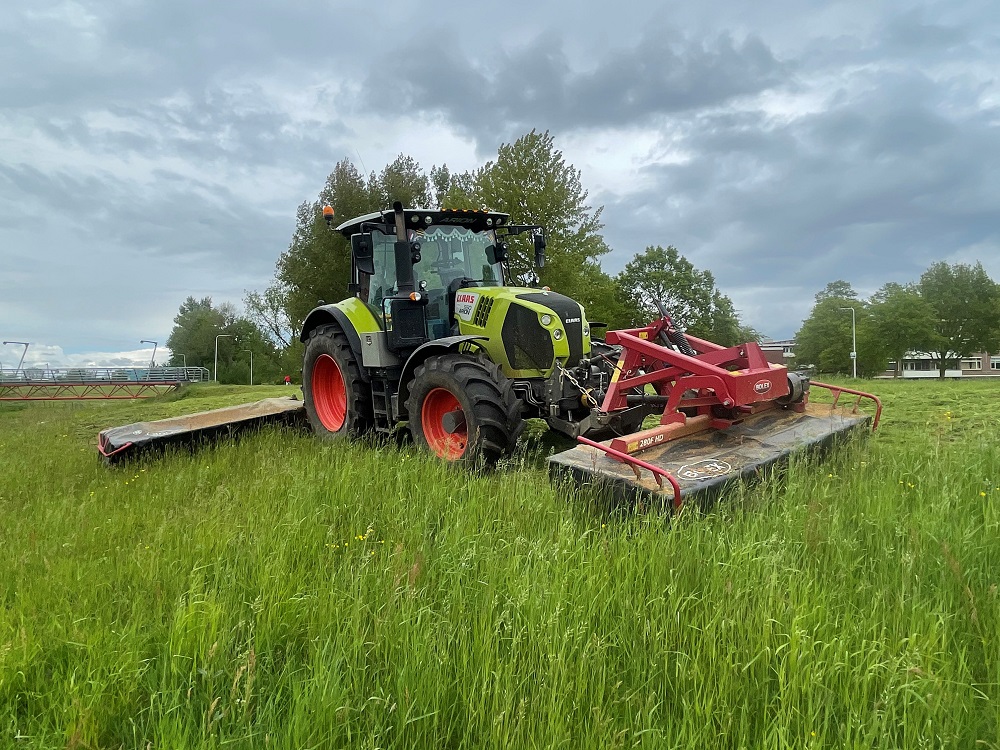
(117, 443)
(698, 466)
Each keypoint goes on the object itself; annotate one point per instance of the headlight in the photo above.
(546, 320)
(586, 330)
(557, 334)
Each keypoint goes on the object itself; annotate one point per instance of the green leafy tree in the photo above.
(966, 306)
(531, 180)
(267, 310)
(196, 326)
(317, 263)
(403, 180)
(689, 295)
(197, 323)
(839, 289)
(265, 360)
(603, 300)
(458, 191)
(824, 341)
(902, 320)
(726, 327)
(440, 183)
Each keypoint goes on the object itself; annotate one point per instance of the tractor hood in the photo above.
(528, 329)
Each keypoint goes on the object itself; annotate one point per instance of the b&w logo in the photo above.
(705, 469)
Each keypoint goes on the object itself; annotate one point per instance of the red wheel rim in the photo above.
(329, 392)
(448, 445)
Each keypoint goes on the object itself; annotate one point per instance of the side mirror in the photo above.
(539, 250)
(364, 256)
(497, 253)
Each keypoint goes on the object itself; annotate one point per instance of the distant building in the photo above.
(779, 352)
(923, 365)
(913, 365)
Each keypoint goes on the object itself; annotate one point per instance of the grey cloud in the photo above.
(665, 73)
(171, 221)
(196, 183)
(872, 190)
(127, 50)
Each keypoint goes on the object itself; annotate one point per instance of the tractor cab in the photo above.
(451, 258)
(408, 265)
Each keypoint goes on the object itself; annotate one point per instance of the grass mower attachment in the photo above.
(129, 441)
(727, 414)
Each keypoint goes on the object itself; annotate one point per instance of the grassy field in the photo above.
(284, 593)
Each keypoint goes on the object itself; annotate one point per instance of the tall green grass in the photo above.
(283, 592)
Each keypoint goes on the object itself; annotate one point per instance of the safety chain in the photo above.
(589, 400)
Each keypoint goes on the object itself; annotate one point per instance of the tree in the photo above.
(529, 179)
(966, 306)
(838, 289)
(267, 310)
(317, 263)
(403, 180)
(902, 320)
(688, 295)
(602, 299)
(199, 322)
(196, 325)
(727, 328)
(824, 340)
(532, 182)
(441, 182)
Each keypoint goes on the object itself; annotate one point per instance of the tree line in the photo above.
(529, 179)
(952, 312)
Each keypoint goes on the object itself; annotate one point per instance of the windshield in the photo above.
(449, 253)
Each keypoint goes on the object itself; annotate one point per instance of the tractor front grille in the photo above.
(526, 342)
(571, 315)
(482, 311)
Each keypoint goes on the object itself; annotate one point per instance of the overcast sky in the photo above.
(155, 150)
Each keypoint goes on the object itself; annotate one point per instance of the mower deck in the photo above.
(704, 463)
(116, 443)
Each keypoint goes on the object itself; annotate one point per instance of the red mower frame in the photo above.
(701, 386)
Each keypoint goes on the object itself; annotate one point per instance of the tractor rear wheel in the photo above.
(464, 409)
(337, 399)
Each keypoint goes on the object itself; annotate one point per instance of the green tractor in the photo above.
(434, 336)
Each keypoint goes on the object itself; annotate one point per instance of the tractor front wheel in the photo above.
(464, 409)
(337, 399)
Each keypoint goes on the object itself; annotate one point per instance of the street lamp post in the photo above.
(247, 351)
(25, 344)
(152, 359)
(220, 336)
(854, 341)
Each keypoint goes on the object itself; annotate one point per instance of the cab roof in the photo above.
(418, 218)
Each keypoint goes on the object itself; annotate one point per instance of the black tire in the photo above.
(335, 410)
(464, 409)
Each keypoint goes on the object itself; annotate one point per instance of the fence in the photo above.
(72, 383)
